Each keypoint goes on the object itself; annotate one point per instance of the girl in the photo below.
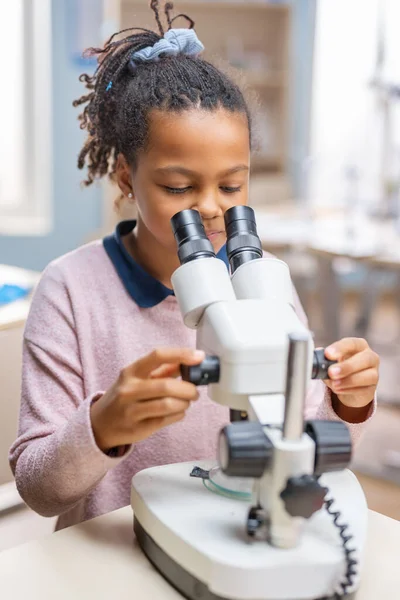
(104, 338)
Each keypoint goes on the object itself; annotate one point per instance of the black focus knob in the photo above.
(244, 449)
(303, 496)
(204, 373)
(321, 364)
(333, 446)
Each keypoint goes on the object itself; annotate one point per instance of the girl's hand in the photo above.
(145, 398)
(354, 379)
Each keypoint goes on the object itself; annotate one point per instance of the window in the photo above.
(25, 117)
(355, 125)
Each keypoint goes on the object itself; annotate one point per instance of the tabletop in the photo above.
(99, 559)
(331, 235)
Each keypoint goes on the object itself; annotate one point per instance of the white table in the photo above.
(328, 237)
(98, 560)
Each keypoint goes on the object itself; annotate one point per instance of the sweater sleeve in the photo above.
(55, 459)
(318, 403)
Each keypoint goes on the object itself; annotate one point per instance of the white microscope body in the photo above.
(290, 542)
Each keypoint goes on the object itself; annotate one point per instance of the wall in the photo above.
(77, 212)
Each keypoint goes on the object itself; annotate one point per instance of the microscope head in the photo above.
(244, 319)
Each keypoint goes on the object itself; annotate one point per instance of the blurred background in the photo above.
(325, 180)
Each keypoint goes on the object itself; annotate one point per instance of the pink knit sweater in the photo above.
(83, 328)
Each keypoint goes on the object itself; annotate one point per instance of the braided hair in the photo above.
(121, 94)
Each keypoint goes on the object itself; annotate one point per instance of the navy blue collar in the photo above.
(143, 288)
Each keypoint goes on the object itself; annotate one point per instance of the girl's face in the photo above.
(196, 159)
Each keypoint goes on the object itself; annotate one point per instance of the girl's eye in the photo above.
(231, 190)
(176, 190)
(172, 190)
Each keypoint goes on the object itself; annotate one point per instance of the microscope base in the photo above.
(197, 540)
(188, 585)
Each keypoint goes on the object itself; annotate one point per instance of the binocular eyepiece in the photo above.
(243, 243)
(190, 236)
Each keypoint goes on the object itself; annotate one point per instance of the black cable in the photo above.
(351, 562)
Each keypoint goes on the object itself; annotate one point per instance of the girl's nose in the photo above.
(209, 206)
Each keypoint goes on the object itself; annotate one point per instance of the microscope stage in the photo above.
(197, 540)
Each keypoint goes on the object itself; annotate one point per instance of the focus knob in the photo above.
(321, 364)
(333, 446)
(303, 496)
(244, 450)
(203, 374)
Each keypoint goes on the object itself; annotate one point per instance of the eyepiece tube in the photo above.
(190, 236)
(243, 243)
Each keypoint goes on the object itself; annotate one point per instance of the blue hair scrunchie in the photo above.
(175, 41)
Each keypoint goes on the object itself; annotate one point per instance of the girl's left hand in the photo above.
(355, 377)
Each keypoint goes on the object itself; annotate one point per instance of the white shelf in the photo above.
(238, 5)
(269, 162)
(259, 79)
(243, 5)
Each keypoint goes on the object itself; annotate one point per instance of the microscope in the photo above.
(280, 517)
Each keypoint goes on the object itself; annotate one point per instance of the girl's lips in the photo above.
(213, 234)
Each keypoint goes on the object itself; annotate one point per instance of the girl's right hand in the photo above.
(145, 398)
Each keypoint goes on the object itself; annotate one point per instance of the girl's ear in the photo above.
(123, 178)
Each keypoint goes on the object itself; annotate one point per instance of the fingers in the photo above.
(357, 381)
(176, 356)
(137, 390)
(164, 407)
(362, 361)
(355, 377)
(150, 426)
(145, 397)
(345, 348)
(166, 371)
